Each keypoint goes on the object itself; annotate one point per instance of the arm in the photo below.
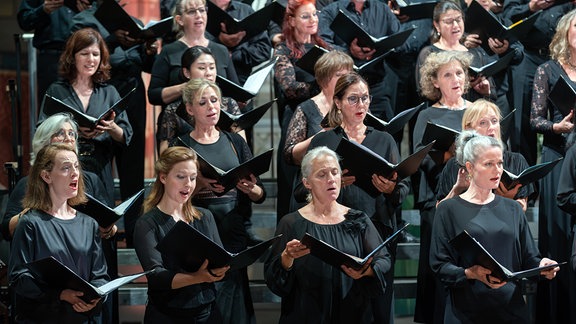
(160, 91)
(297, 140)
(279, 272)
(285, 76)
(35, 14)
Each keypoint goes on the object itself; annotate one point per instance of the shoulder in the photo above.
(218, 49)
(281, 49)
(206, 213)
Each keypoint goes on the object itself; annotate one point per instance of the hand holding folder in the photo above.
(362, 163)
(528, 175)
(473, 253)
(492, 68)
(56, 275)
(189, 248)
(253, 24)
(104, 215)
(336, 258)
(416, 9)
(53, 106)
(395, 124)
(563, 95)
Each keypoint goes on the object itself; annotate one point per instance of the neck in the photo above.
(450, 44)
(329, 212)
(83, 82)
(303, 38)
(206, 134)
(358, 5)
(194, 39)
(355, 131)
(60, 208)
(453, 104)
(171, 208)
(324, 101)
(478, 195)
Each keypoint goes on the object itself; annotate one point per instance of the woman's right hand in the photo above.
(207, 183)
(482, 274)
(211, 275)
(565, 125)
(72, 297)
(294, 250)
(462, 181)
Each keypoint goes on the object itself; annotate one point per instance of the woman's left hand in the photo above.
(502, 191)
(472, 41)
(481, 85)
(347, 179)
(108, 232)
(366, 270)
(498, 46)
(550, 273)
(250, 187)
(383, 184)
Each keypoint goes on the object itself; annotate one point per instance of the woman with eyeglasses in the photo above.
(346, 117)
(447, 34)
(166, 82)
(444, 81)
(484, 117)
(84, 71)
(292, 84)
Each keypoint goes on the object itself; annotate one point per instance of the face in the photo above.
(180, 182)
(324, 179)
(488, 125)
(63, 178)
(354, 104)
(206, 110)
(193, 17)
(87, 60)
(305, 20)
(450, 79)
(572, 34)
(203, 68)
(65, 134)
(487, 168)
(450, 25)
(221, 3)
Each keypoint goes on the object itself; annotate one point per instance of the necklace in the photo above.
(442, 105)
(571, 66)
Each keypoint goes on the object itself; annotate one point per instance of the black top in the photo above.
(167, 68)
(315, 292)
(93, 186)
(546, 76)
(382, 207)
(148, 232)
(74, 242)
(250, 52)
(95, 154)
(304, 123)
(513, 162)
(566, 195)
(496, 224)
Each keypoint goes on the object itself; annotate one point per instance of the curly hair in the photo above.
(78, 41)
(296, 48)
(433, 63)
(559, 46)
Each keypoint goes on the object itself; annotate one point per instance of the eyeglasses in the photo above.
(62, 134)
(199, 10)
(450, 21)
(354, 100)
(308, 16)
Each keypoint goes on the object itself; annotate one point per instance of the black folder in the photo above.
(104, 215)
(395, 124)
(236, 123)
(189, 248)
(253, 24)
(308, 60)
(486, 24)
(473, 253)
(57, 275)
(362, 163)
(53, 106)
(228, 179)
(443, 135)
(416, 9)
(492, 68)
(336, 258)
(279, 11)
(113, 17)
(250, 88)
(347, 30)
(563, 95)
(529, 175)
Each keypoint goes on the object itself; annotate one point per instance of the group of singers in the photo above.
(90, 68)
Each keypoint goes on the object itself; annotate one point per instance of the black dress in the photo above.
(74, 242)
(315, 292)
(498, 223)
(167, 305)
(554, 225)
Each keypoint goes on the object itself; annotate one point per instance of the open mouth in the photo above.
(74, 185)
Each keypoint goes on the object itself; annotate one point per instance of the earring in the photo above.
(468, 177)
(438, 33)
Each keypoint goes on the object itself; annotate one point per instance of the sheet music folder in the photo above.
(309, 59)
(475, 254)
(492, 68)
(253, 24)
(236, 123)
(104, 215)
(528, 175)
(189, 248)
(362, 163)
(347, 30)
(53, 106)
(250, 88)
(57, 275)
(486, 25)
(336, 258)
(563, 95)
(395, 124)
(416, 10)
(113, 17)
(443, 135)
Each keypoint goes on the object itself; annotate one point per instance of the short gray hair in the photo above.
(313, 155)
(470, 145)
(47, 129)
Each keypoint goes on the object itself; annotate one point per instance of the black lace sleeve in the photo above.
(170, 124)
(539, 111)
(285, 76)
(230, 106)
(296, 133)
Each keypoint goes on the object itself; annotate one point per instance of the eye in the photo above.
(202, 102)
(213, 99)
